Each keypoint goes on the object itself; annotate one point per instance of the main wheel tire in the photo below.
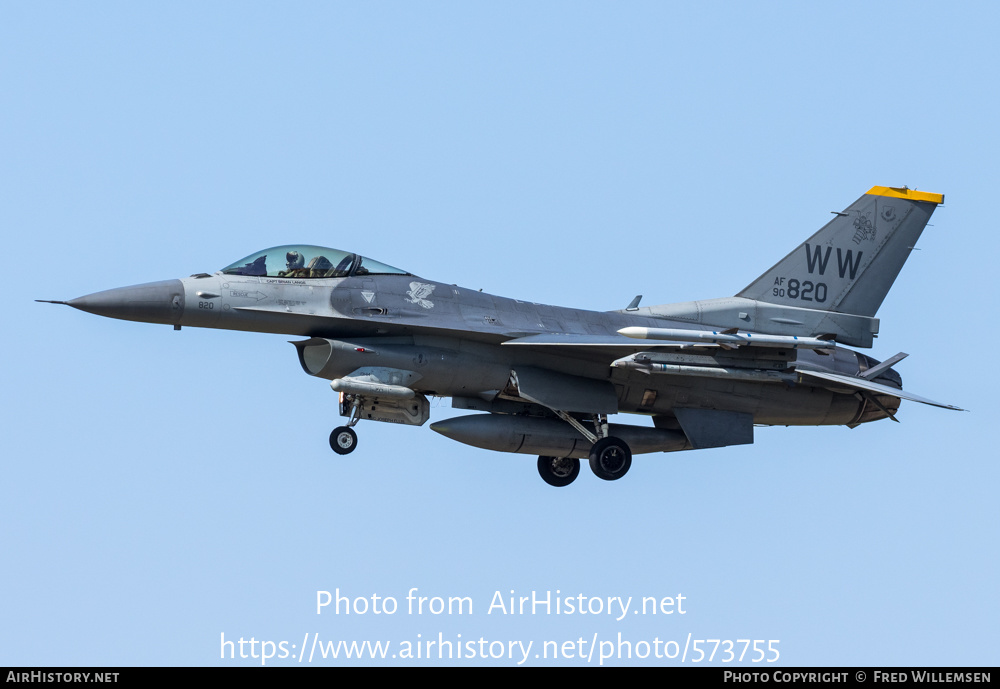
(558, 471)
(610, 458)
(343, 440)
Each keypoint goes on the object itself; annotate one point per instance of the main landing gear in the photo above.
(610, 458)
(558, 471)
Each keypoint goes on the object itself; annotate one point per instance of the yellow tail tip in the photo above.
(904, 193)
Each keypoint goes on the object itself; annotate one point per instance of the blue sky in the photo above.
(165, 488)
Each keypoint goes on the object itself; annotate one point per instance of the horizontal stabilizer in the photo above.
(866, 385)
(877, 370)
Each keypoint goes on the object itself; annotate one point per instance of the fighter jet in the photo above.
(546, 378)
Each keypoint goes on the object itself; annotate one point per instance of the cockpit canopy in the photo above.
(306, 261)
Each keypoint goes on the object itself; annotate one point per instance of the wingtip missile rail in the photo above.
(728, 372)
(730, 339)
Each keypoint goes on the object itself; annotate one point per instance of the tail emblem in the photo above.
(864, 227)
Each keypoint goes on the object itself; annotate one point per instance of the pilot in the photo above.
(294, 262)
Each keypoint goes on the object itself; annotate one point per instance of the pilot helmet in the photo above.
(294, 260)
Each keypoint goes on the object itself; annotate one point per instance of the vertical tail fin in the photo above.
(850, 264)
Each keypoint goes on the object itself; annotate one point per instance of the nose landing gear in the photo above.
(411, 409)
(344, 440)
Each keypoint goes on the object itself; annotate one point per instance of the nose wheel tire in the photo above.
(610, 458)
(343, 440)
(558, 471)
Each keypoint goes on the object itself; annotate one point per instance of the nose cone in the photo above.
(153, 302)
